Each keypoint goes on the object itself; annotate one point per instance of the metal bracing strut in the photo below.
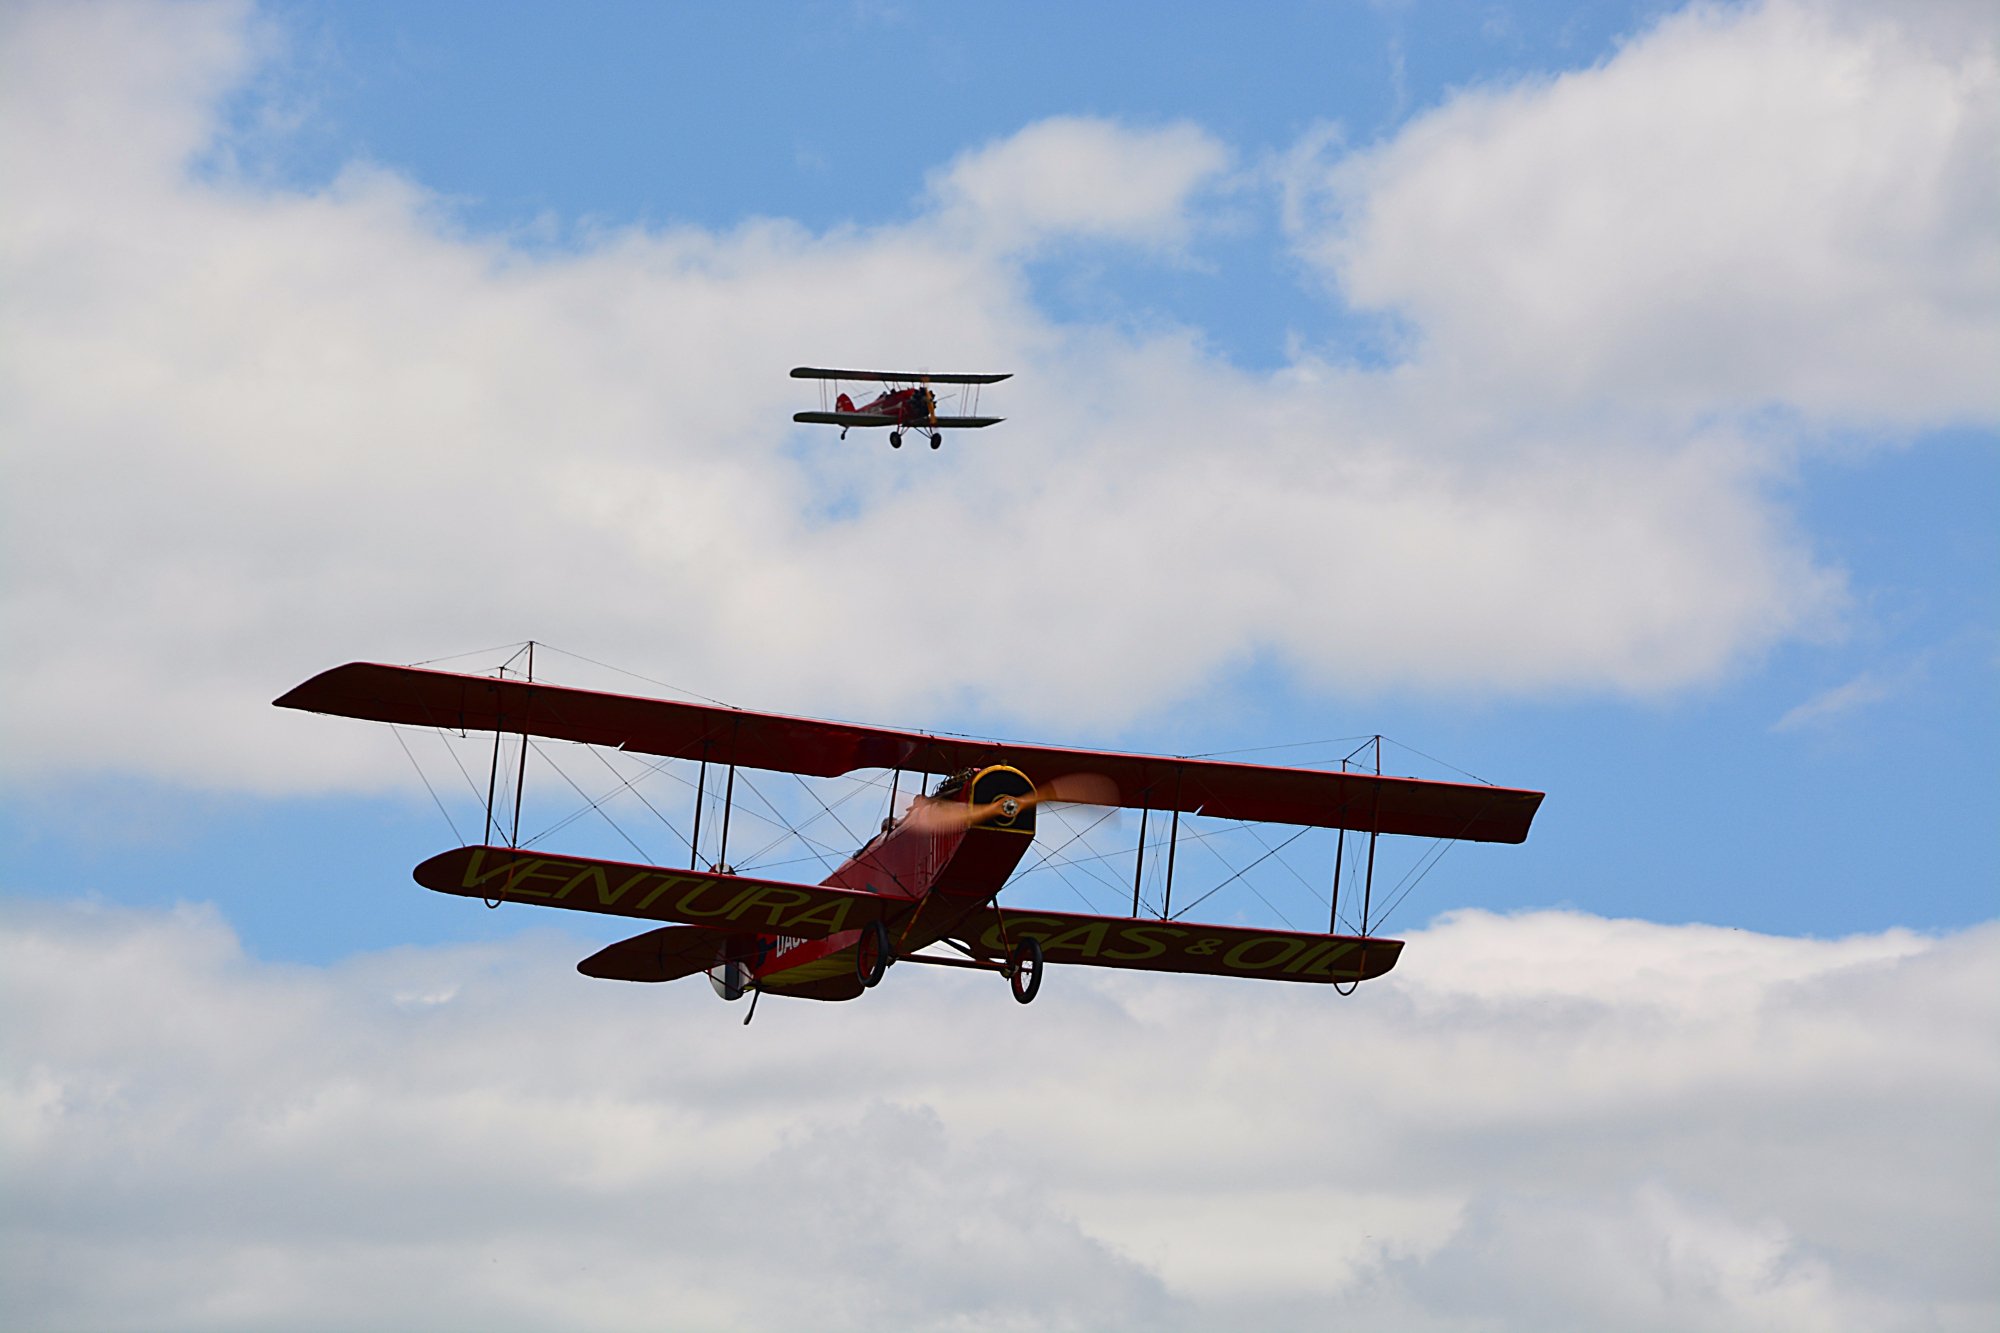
(521, 774)
(1139, 858)
(700, 792)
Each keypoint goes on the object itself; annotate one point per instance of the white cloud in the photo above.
(1867, 688)
(1552, 1120)
(1080, 176)
(1781, 204)
(252, 432)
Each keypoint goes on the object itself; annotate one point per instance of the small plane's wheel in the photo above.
(895, 439)
(1024, 969)
(937, 440)
(871, 953)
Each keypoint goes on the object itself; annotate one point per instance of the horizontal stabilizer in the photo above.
(666, 954)
(894, 376)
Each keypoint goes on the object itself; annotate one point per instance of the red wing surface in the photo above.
(1316, 797)
(584, 884)
(893, 376)
(1174, 946)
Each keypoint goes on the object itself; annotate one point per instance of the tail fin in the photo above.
(843, 404)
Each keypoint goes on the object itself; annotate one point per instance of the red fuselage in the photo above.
(930, 856)
(907, 407)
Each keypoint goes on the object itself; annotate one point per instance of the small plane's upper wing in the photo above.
(894, 376)
(1151, 945)
(1317, 797)
(617, 888)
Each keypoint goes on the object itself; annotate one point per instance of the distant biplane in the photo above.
(907, 403)
(930, 877)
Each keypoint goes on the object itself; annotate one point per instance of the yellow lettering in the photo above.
(774, 901)
(1242, 955)
(1085, 939)
(1311, 959)
(588, 872)
(688, 905)
(513, 871)
(1325, 966)
(1203, 948)
(996, 939)
(667, 884)
(831, 914)
(1143, 936)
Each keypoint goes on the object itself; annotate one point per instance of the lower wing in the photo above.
(1173, 946)
(881, 419)
(723, 902)
(845, 418)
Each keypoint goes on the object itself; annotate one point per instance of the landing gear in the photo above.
(895, 439)
(871, 954)
(937, 438)
(1024, 969)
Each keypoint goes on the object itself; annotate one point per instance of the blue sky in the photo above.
(1596, 398)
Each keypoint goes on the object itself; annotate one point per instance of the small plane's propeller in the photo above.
(1071, 789)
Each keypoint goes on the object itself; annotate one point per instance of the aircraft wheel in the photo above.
(871, 954)
(937, 441)
(1024, 972)
(895, 439)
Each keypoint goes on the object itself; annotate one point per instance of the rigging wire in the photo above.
(632, 784)
(1239, 875)
(598, 806)
(456, 835)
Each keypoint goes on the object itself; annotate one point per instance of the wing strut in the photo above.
(1139, 861)
(521, 775)
(1340, 849)
(700, 793)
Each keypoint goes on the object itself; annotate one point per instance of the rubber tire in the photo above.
(895, 439)
(1025, 961)
(871, 955)
(937, 441)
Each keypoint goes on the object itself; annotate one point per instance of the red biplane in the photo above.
(928, 880)
(907, 403)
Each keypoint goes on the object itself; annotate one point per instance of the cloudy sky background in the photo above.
(1599, 400)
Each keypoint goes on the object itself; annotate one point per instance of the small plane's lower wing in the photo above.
(1173, 946)
(724, 902)
(845, 418)
(879, 419)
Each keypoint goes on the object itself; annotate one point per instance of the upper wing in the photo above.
(894, 376)
(586, 884)
(1311, 796)
(1173, 946)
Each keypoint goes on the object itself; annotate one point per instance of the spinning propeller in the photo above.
(1070, 789)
